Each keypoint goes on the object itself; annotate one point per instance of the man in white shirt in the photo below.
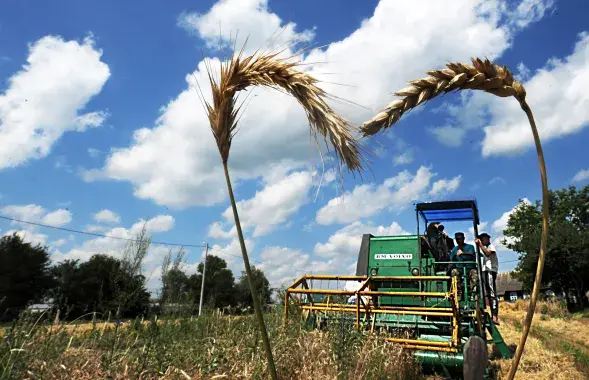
(490, 269)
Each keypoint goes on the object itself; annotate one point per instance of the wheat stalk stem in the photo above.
(485, 76)
(267, 70)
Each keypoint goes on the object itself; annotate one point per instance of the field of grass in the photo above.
(557, 346)
(209, 347)
(220, 347)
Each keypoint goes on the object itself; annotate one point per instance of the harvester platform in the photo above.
(432, 308)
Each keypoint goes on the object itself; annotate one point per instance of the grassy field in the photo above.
(558, 344)
(218, 347)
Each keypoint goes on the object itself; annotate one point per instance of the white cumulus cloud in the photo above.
(344, 244)
(106, 216)
(338, 255)
(58, 218)
(114, 241)
(445, 186)
(500, 224)
(582, 175)
(404, 158)
(394, 193)
(274, 129)
(242, 19)
(37, 214)
(270, 207)
(44, 99)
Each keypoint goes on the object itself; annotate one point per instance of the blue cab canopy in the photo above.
(444, 211)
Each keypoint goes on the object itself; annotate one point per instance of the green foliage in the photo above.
(174, 281)
(261, 284)
(567, 256)
(24, 275)
(175, 286)
(219, 282)
(179, 288)
(102, 284)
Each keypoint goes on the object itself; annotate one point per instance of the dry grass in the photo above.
(481, 75)
(209, 347)
(558, 344)
(268, 70)
(182, 348)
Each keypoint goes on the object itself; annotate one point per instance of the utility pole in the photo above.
(202, 286)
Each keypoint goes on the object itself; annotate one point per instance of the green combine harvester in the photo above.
(436, 304)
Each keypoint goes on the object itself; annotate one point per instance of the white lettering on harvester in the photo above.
(393, 256)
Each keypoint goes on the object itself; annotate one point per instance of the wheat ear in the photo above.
(279, 73)
(497, 80)
(481, 75)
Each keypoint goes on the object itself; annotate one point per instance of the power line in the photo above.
(132, 240)
(99, 235)
(160, 243)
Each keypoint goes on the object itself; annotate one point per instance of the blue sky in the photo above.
(101, 128)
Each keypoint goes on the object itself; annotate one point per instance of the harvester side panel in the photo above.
(362, 264)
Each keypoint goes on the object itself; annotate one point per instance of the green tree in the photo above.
(567, 256)
(219, 288)
(25, 276)
(262, 285)
(176, 286)
(102, 284)
(129, 282)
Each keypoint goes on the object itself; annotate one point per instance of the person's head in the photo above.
(485, 238)
(459, 236)
(441, 228)
(432, 227)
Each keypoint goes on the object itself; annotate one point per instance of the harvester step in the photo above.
(424, 345)
(409, 308)
(430, 348)
(408, 294)
(352, 309)
(418, 342)
(368, 293)
(410, 278)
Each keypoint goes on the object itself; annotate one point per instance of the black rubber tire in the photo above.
(476, 357)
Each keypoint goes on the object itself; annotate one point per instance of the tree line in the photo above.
(105, 285)
(116, 286)
(567, 257)
(220, 287)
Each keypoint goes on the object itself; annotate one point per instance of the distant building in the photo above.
(509, 288)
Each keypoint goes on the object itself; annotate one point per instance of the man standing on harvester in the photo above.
(490, 269)
(464, 252)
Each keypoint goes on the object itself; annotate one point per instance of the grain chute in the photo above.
(433, 306)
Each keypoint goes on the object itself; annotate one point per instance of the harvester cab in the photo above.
(410, 290)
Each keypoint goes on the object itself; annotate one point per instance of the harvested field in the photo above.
(558, 344)
(218, 347)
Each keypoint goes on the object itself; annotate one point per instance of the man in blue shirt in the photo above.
(463, 252)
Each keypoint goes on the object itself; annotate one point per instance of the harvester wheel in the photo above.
(475, 358)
